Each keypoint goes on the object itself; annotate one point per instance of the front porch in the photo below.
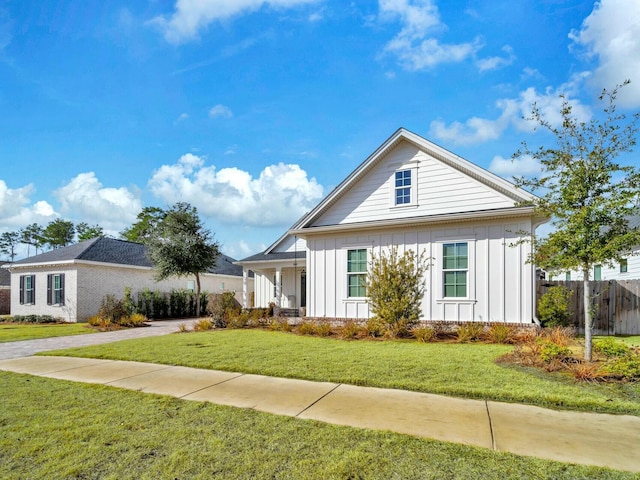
(279, 278)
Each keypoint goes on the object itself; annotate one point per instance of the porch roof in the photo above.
(273, 257)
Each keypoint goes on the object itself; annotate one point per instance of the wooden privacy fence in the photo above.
(617, 305)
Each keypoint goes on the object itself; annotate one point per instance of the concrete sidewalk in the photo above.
(573, 437)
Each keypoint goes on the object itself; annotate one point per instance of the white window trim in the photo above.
(471, 271)
(346, 297)
(413, 198)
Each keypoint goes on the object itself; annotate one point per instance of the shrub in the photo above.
(182, 328)
(112, 309)
(552, 351)
(374, 327)
(500, 333)
(280, 324)
(323, 329)
(609, 347)
(586, 372)
(468, 332)
(627, 367)
(561, 336)
(34, 319)
(350, 330)
(399, 329)
(553, 307)
(224, 306)
(423, 334)
(306, 328)
(203, 324)
(97, 321)
(395, 287)
(237, 319)
(133, 320)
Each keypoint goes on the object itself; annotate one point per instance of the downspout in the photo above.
(536, 320)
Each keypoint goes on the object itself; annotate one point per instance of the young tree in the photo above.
(148, 220)
(179, 245)
(87, 232)
(395, 287)
(58, 233)
(31, 235)
(587, 193)
(8, 243)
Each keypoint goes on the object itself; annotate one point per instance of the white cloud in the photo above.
(494, 63)
(220, 111)
(611, 34)
(513, 112)
(16, 210)
(182, 117)
(192, 16)
(85, 199)
(280, 195)
(508, 167)
(415, 46)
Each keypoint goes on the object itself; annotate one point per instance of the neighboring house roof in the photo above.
(114, 251)
(5, 277)
(452, 160)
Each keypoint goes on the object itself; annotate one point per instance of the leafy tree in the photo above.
(8, 243)
(58, 233)
(87, 232)
(148, 220)
(179, 245)
(587, 193)
(31, 235)
(395, 287)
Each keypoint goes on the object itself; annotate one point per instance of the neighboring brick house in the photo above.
(70, 282)
(5, 291)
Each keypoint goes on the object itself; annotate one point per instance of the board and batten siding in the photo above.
(500, 282)
(441, 189)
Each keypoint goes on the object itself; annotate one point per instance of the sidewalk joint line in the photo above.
(213, 384)
(493, 438)
(316, 401)
(164, 367)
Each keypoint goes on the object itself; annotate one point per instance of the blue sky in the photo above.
(254, 110)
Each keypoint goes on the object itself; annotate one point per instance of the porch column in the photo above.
(245, 297)
(278, 286)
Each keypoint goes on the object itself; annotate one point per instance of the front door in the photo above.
(303, 289)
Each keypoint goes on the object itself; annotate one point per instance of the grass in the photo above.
(463, 370)
(14, 332)
(64, 430)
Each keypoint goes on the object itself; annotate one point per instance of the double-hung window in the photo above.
(403, 187)
(624, 266)
(357, 272)
(27, 289)
(55, 289)
(455, 269)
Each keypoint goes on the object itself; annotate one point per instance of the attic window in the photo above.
(403, 187)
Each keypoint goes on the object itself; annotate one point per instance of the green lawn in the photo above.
(464, 370)
(14, 332)
(64, 430)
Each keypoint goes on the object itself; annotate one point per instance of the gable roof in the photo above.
(446, 157)
(115, 252)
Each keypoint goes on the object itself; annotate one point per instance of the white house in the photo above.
(412, 194)
(627, 269)
(70, 282)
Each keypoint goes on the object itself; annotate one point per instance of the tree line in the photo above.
(57, 233)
